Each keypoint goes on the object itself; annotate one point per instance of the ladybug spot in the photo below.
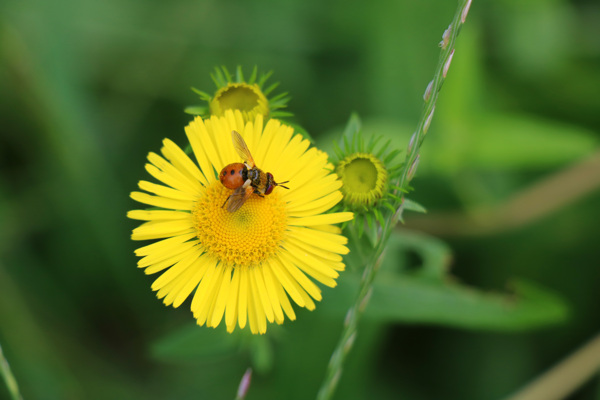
(232, 172)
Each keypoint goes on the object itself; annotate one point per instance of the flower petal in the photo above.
(323, 219)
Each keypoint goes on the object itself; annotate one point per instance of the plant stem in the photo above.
(244, 385)
(565, 377)
(433, 90)
(334, 369)
(9, 378)
(349, 331)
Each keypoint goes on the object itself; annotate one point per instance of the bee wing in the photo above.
(242, 148)
(238, 198)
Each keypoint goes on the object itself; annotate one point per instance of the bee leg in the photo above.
(226, 200)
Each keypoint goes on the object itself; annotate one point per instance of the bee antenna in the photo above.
(281, 184)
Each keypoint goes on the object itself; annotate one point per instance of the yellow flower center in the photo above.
(245, 237)
(364, 178)
(248, 99)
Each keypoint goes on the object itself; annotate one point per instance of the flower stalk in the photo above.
(244, 385)
(9, 378)
(433, 89)
(349, 331)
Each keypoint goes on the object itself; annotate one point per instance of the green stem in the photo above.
(334, 369)
(9, 378)
(349, 331)
(432, 92)
(567, 376)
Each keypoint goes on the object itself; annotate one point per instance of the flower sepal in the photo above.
(249, 96)
(368, 171)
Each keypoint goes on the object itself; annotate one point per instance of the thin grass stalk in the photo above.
(9, 378)
(432, 92)
(349, 331)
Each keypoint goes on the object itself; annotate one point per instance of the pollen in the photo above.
(245, 237)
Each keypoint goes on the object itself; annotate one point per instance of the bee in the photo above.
(245, 178)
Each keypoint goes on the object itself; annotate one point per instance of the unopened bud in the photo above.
(365, 300)
(335, 357)
(427, 94)
(350, 342)
(445, 38)
(411, 143)
(413, 168)
(244, 385)
(428, 120)
(465, 11)
(336, 378)
(349, 315)
(364, 274)
(447, 64)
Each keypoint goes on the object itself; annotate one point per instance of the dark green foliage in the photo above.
(87, 89)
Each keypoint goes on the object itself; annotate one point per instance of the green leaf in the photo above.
(239, 74)
(513, 141)
(272, 87)
(530, 306)
(411, 205)
(281, 114)
(345, 142)
(228, 77)
(379, 154)
(390, 157)
(353, 126)
(395, 197)
(263, 79)
(506, 142)
(281, 96)
(261, 351)
(373, 141)
(203, 95)
(218, 78)
(195, 110)
(389, 207)
(252, 78)
(370, 221)
(360, 226)
(402, 298)
(435, 255)
(379, 216)
(427, 295)
(337, 150)
(193, 341)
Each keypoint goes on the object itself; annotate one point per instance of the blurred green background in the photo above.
(490, 288)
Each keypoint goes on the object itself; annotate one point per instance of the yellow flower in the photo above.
(364, 179)
(249, 99)
(249, 96)
(243, 266)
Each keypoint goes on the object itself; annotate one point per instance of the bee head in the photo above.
(271, 183)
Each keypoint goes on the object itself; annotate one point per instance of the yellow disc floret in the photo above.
(248, 99)
(364, 178)
(243, 238)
